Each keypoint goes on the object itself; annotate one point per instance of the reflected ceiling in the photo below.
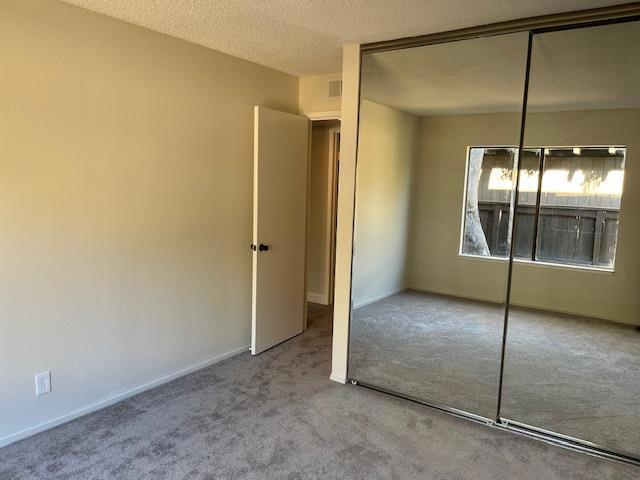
(569, 71)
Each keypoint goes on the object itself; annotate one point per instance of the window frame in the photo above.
(512, 212)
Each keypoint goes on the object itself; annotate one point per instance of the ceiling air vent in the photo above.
(335, 88)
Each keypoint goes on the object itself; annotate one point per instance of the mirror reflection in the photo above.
(441, 215)
(572, 358)
(438, 125)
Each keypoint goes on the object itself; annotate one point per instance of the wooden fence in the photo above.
(577, 236)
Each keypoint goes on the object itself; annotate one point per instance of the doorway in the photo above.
(321, 221)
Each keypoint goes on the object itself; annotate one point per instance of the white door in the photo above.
(279, 227)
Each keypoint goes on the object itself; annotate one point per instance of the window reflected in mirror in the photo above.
(570, 218)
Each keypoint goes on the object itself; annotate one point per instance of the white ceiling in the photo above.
(305, 37)
(589, 68)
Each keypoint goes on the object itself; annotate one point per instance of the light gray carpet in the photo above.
(431, 347)
(277, 416)
(575, 376)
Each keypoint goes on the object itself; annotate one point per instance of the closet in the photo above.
(496, 267)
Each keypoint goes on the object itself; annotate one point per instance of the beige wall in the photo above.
(125, 200)
(438, 197)
(314, 94)
(318, 243)
(387, 146)
(438, 186)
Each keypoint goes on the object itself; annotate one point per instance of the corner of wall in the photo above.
(346, 190)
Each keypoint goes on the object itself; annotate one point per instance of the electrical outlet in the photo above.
(43, 383)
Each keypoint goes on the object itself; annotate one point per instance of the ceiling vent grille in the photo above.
(335, 88)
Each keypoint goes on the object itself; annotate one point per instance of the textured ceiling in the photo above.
(589, 68)
(304, 37)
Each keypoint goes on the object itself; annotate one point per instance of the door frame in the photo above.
(332, 209)
(316, 116)
(331, 221)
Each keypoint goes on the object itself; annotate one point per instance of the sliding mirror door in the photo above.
(438, 136)
(572, 357)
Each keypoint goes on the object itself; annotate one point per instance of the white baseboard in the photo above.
(338, 378)
(579, 313)
(320, 298)
(41, 427)
(452, 293)
(378, 298)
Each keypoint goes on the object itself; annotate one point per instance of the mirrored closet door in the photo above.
(572, 357)
(436, 148)
(496, 267)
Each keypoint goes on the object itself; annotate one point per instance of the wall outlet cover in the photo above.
(43, 383)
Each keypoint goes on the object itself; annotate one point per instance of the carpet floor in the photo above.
(571, 375)
(278, 416)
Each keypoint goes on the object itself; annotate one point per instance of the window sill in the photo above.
(540, 264)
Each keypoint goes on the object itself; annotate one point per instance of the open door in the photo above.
(279, 227)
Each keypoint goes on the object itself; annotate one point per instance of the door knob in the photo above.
(263, 247)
